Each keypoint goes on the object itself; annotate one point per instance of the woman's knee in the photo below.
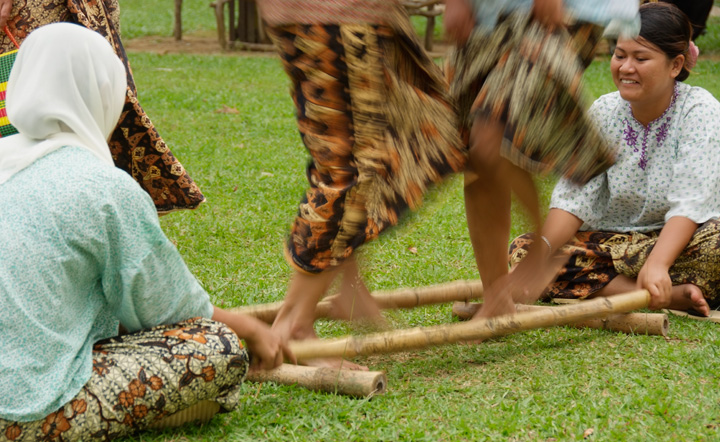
(485, 141)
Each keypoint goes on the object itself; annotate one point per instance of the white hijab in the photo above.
(66, 88)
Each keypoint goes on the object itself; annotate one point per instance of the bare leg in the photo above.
(523, 186)
(531, 277)
(684, 297)
(297, 315)
(354, 301)
(487, 207)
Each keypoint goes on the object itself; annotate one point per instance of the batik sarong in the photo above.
(143, 377)
(373, 113)
(529, 80)
(598, 257)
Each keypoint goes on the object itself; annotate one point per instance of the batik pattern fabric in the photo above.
(374, 114)
(140, 378)
(136, 146)
(530, 80)
(595, 258)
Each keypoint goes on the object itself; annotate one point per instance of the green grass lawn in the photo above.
(542, 385)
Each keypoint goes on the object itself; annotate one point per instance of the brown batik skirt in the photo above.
(374, 114)
(598, 257)
(529, 80)
(136, 146)
(143, 377)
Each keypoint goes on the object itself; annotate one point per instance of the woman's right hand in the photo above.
(266, 347)
(267, 350)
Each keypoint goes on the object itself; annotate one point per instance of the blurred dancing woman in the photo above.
(516, 78)
(374, 114)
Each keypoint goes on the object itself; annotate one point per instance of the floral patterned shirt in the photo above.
(669, 168)
(81, 250)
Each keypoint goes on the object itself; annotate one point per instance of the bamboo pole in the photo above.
(391, 299)
(422, 337)
(714, 315)
(346, 382)
(640, 323)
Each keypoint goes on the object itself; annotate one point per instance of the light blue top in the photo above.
(81, 250)
(682, 175)
(624, 13)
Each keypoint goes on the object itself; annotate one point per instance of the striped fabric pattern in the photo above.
(6, 61)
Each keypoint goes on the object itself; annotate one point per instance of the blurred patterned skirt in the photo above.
(141, 378)
(529, 80)
(598, 257)
(375, 116)
(136, 146)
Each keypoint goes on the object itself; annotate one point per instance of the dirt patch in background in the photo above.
(208, 44)
(190, 44)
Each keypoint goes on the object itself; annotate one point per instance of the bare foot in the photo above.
(296, 317)
(529, 279)
(306, 331)
(354, 302)
(496, 302)
(354, 306)
(689, 297)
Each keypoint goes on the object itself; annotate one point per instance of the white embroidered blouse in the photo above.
(680, 152)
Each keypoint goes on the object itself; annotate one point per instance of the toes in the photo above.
(700, 305)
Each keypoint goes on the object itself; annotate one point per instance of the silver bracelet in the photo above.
(547, 242)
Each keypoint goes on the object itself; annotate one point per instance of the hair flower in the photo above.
(693, 53)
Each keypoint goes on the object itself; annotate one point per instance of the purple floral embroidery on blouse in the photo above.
(630, 135)
(663, 131)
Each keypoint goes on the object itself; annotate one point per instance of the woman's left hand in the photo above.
(654, 276)
(656, 279)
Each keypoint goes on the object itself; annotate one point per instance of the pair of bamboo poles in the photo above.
(608, 313)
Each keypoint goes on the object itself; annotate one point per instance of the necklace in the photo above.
(630, 135)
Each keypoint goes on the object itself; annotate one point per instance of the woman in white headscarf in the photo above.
(83, 252)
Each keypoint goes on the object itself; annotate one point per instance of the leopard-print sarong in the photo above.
(374, 114)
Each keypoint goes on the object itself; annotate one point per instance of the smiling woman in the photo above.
(645, 70)
(649, 221)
